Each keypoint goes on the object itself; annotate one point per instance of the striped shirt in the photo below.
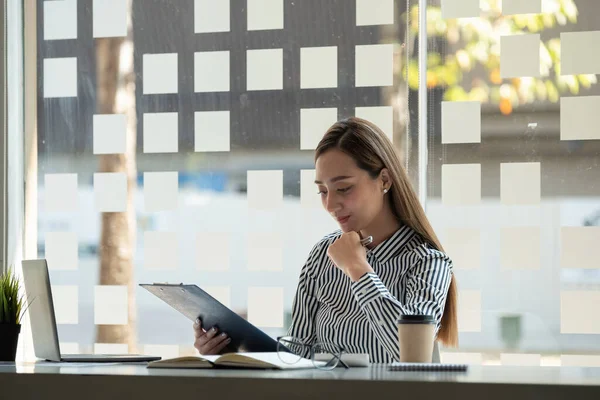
(410, 277)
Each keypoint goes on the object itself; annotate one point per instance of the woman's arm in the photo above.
(427, 286)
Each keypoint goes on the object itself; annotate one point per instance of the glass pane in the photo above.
(513, 188)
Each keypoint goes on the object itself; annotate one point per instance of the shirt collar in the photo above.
(392, 246)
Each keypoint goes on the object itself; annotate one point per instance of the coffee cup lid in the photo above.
(416, 319)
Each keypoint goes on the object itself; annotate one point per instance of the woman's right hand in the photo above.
(211, 342)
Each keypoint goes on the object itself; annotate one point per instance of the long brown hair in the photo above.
(372, 151)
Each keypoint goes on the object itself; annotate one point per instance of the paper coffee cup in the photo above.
(416, 335)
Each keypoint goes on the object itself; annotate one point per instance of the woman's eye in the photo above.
(344, 190)
(321, 192)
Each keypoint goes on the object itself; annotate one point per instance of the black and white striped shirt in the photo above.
(410, 277)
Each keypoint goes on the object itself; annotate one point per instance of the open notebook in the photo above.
(233, 360)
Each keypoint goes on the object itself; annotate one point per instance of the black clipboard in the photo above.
(194, 302)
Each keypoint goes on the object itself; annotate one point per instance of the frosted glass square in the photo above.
(520, 56)
(110, 191)
(65, 299)
(60, 77)
(160, 250)
(68, 348)
(211, 71)
(461, 122)
(110, 133)
(160, 75)
(520, 248)
(469, 311)
(575, 245)
(463, 245)
(374, 12)
(519, 7)
(520, 183)
(576, 57)
(212, 131)
(60, 192)
(265, 189)
(61, 250)
(314, 122)
(461, 358)
(221, 293)
(265, 15)
(460, 8)
(212, 251)
(265, 252)
(309, 197)
(111, 348)
(161, 191)
(265, 307)
(211, 16)
(461, 184)
(60, 20)
(110, 305)
(110, 18)
(161, 132)
(579, 312)
(318, 67)
(383, 117)
(264, 69)
(577, 360)
(374, 65)
(579, 118)
(523, 360)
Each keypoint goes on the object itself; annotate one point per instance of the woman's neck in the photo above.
(382, 227)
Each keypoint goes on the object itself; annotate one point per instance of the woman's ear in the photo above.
(384, 176)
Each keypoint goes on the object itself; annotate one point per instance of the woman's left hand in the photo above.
(349, 255)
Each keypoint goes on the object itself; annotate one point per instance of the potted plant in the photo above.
(12, 308)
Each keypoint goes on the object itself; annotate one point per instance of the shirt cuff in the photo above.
(369, 287)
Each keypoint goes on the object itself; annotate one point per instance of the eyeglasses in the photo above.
(291, 350)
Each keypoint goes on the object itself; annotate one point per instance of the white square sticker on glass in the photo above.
(374, 65)
(576, 57)
(65, 299)
(458, 357)
(461, 184)
(579, 312)
(212, 131)
(110, 133)
(110, 18)
(161, 191)
(211, 71)
(265, 189)
(111, 348)
(309, 196)
(519, 7)
(60, 77)
(60, 20)
(60, 192)
(160, 75)
(382, 117)
(520, 183)
(520, 248)
(68, 348)
(318, 67)
(519, 359)
(374, 12)
(461, 122)
(221, 293)
(314, 122)
(265, 15)
(265, 252)
(579, 360)
(265, 307)
(212, 251)
(111, 305)
(211, 16)
(264, 69)
(520, 56)
(460, 9)
(463, 245)
(160, 250)
(575, 245)
(61, 250)
(110, 191)
(161, 132)
(469, 311)
(579, 118)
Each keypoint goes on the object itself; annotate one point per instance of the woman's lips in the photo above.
(343, 220)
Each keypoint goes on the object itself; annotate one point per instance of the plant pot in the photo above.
(9, 337)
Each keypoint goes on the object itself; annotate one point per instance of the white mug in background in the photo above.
(416, 335)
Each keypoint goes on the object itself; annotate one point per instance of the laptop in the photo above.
(43, 321)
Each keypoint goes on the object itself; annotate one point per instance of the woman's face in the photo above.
(347, 192)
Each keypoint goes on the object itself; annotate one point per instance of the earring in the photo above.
(385, 191)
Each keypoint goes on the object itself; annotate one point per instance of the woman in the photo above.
(351, 295)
